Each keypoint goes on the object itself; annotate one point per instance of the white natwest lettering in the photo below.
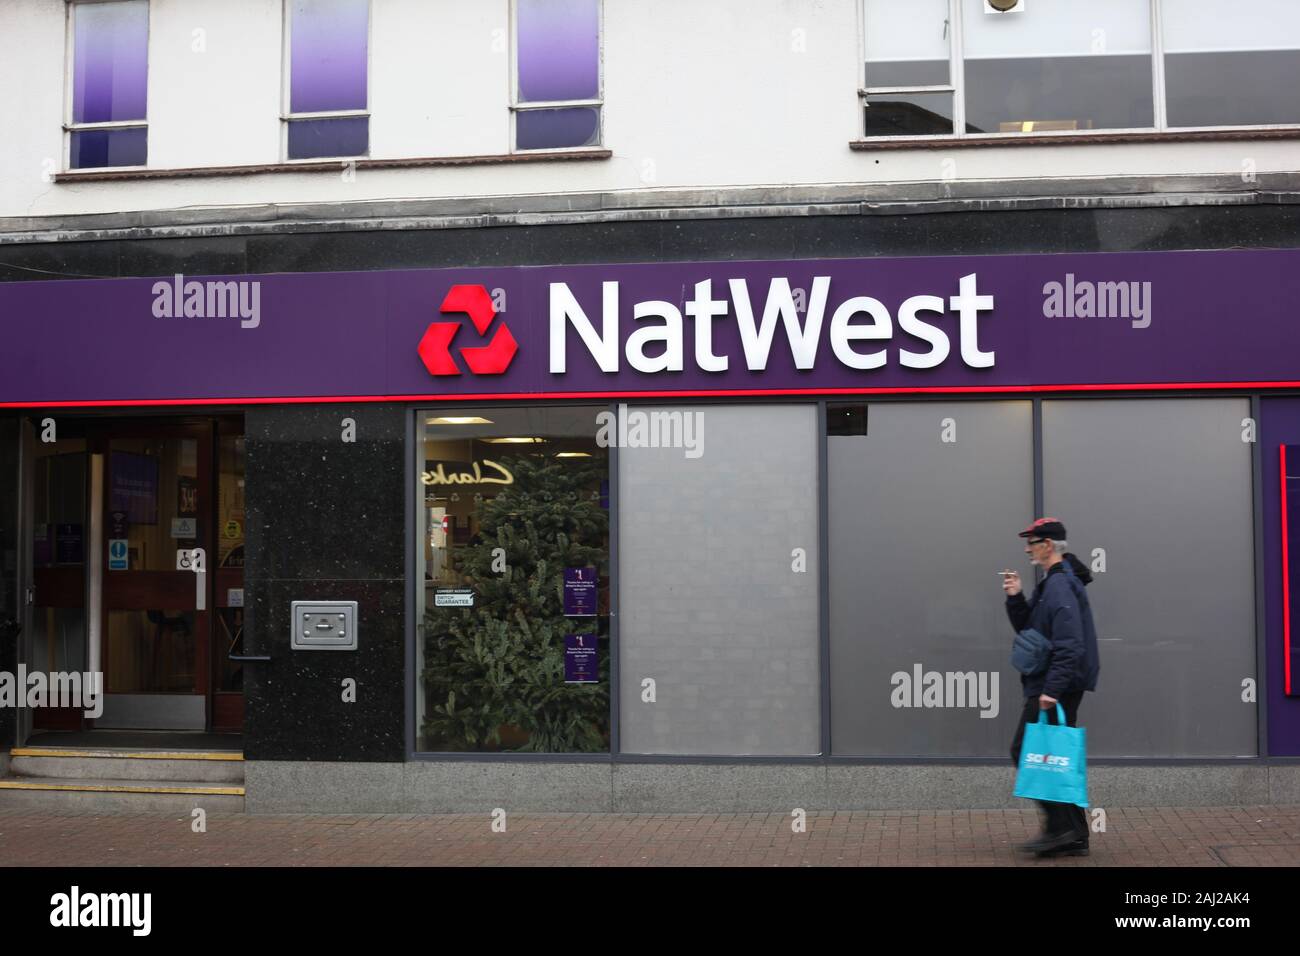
(660, 324)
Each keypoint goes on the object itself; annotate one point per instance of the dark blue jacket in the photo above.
(1059, 610)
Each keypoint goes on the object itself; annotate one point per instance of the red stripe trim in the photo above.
(659, 393)
(1286, 579)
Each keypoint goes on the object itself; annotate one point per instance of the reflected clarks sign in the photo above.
(483, 472)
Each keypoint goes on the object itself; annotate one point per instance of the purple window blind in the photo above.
(110, 61)
(327, 73)
(558, 59)
(327, 62)
(559, 50)
(110, 70)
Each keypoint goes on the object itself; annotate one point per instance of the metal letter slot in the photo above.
(323, 625)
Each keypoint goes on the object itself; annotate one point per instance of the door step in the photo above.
(124, 781)
(77, 763)
(119, 796)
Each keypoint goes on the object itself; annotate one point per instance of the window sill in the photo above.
(328, 165)
(1072, 139)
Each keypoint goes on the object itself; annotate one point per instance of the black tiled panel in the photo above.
(319, 507)
(294, 702)
(800, 237)
(60, 260)
(195, 255)
(325, 521)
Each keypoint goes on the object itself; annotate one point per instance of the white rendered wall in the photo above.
(698, 93)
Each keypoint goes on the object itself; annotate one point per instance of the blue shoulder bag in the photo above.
(1031, 652)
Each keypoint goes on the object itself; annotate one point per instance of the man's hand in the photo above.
(1011, 582)
(1045, 702)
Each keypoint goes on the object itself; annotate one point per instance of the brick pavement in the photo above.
(1201, 836)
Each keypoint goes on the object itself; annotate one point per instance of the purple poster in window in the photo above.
(581, 663)
(579, 592)
(133, 486)
(67, 544)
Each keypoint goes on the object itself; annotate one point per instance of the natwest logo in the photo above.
(491, 359)
(863, 331)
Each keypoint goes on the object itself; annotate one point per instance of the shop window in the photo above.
(514, 562)
(328, 57)
(1156, 495)
(718, 581)
(925, 502)
(110, 64)
(1058, 66)
(960, 67)
(557, 103)
(1232, 67)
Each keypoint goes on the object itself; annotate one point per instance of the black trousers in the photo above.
(1060, 816)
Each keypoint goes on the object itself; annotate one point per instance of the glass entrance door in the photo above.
(155, 646)
(56, 642)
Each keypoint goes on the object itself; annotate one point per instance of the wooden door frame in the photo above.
(226, 708)
(100, 434)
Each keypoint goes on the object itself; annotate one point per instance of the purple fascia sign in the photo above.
(1158, 320)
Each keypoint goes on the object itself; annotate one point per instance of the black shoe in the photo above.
(1033, 845)
(1051, 841)
(1079, 847)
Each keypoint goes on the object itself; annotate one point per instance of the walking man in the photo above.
(1058, 610)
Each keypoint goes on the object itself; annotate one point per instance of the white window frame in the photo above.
(286, 92)
(517, 107)
(70, 72)
(957, 86)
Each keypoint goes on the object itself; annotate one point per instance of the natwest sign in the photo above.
(860, 329)
(1161, 320)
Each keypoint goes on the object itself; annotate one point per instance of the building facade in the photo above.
(580, 405)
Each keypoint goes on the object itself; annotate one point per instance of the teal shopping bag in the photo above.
(1053, 762)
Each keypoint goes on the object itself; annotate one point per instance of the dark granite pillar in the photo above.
(326, 521)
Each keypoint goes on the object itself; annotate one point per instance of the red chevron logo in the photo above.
(491, 359)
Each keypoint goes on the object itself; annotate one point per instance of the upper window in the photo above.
(557, 102)
(1237, 67)
(328, 60)
(962, 67)
(110, 63)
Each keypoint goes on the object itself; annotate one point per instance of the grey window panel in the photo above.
(1164, 486)
(918, 529)
(710, 607)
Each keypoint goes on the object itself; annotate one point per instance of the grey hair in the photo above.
(1059, 547)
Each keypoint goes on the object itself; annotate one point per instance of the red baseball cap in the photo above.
(1050, 528)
